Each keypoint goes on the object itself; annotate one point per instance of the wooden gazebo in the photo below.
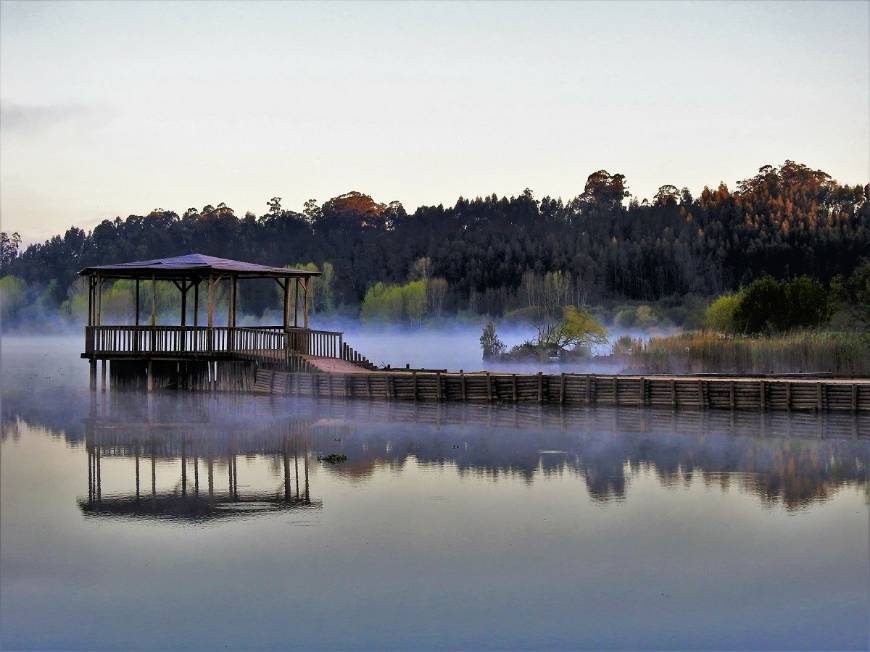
(189, 272)
(137, 346)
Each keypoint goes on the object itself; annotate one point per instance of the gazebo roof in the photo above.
(193, 265)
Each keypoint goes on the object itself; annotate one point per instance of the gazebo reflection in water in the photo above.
(206, 479)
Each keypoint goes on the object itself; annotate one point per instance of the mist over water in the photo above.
(447, 344)
(448, 526)
(456, 346)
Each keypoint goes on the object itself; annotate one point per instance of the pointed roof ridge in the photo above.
(193, 264)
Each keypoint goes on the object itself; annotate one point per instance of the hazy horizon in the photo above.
(117, 109)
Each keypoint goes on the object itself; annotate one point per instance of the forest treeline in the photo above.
(481, 255)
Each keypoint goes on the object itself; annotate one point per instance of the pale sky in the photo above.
(118, 108)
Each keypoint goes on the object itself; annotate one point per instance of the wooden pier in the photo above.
(294, 359)
(677, 392)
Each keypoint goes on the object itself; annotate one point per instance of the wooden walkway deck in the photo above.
(334, 365)
(692, 392)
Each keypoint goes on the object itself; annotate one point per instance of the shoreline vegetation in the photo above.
(838, 353)
(768, 326)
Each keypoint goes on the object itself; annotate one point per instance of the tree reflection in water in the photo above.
(792, 459)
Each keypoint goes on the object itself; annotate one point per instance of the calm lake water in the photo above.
(208, 521)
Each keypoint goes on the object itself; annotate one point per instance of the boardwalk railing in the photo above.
(204, 340)
(350, 354)
(841, 395)
(326, 344)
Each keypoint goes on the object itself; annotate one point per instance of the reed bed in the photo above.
(839, 353)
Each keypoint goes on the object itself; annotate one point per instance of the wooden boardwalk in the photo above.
(683, 392)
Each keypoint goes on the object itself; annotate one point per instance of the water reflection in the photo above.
(196, 451)
(794, 460)
(448, 526)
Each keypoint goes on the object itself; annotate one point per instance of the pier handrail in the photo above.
(200, 340)
(324, 344)
(181, 340)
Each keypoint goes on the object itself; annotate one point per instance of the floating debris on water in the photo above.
(332, 458)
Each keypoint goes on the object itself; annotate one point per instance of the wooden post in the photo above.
(103, 375)
(93, 374)
(305, 303)
(462, 382)
(99, 301)
(488, 387)
(514, 387)
(153, 301)
(562, 389)
(762, 395)
(296, 305)
(231, 316)
(286, 287)
(819, 403)
(90, 300)
(184, 288)
(788, 396)
(234, 288)
(196, 303)
(642, 390)
(540, 387)
(210, 302)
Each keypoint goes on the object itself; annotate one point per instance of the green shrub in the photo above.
(720, 315)
(770, 306)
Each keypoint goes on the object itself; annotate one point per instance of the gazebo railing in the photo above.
(203, 340)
